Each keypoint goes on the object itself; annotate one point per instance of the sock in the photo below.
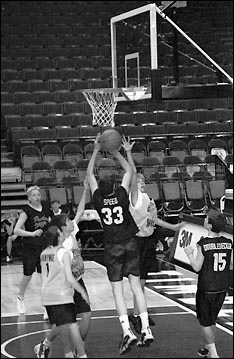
(144, 320)
(212, 350)
(47, 343)
(124, 323)
(69, 355)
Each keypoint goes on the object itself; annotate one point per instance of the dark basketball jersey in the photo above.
(36, 220)
(214, 274)
(118, 224)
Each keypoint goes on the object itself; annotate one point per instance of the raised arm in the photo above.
(90, 169)
(134, 188)
(127, 168)
(81, 206)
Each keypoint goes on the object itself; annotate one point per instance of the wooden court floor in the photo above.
(171, 303)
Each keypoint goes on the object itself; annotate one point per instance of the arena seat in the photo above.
(63, 171)
(57, 121)
(51, 153)
(29, 155)
(44, 96)
(36, 120)
(59, 193)
(198, 147)
(16, 121)
(149, 165)
(218, 146)
(133, 131)
(81, 172)
(178, 148)
(73, 153)
(216, 190)
(138, 152)
(41, 170)
(77, 191)
(155, 131)
(198, 128)
(157, 149)
(219, 127)
(67, 133)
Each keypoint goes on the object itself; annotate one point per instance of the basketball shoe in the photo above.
(41, 351)
(21, 306)
(127, 341)
(135, 320)
(203, 352)
(146, 338)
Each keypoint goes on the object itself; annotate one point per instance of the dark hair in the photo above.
(59, 221)
(217, 220)
(106, 185)
(50, 237)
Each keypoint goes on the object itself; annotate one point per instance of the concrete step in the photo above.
(15, 203)
(13, 194)
(13, 187)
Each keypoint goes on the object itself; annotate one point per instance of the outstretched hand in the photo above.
(126, 144)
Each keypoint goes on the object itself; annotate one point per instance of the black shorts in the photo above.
(81, 306)
(122, 259)
(147, 253)
(61, 314)
(31, 259)
(208, 306)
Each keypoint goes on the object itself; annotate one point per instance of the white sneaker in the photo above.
(41, 351)
(45, 315)
(21, 306)
(146, 338)
(127, 341)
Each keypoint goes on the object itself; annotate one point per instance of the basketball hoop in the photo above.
(103, 103)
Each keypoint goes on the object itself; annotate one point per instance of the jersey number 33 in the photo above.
(113, 215)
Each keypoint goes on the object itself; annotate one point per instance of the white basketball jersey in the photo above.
(144, 214)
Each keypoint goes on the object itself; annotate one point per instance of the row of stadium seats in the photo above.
(192, 187)
(155, 151)
(19, 136)
(51, 114)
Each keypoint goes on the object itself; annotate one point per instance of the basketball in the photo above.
(110, 140)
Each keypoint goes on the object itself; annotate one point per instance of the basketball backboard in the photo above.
(152, 57)
(134, 52)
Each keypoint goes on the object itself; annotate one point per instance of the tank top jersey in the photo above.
(214, 274)
(36, 220)
(55, 287)
(118, 224)
(144, 214)
(77, 265)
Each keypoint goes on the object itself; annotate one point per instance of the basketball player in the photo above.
(34, 219)
(58, 284)
(213, 262)
(121, 253)
(69, 229)
(144, 213)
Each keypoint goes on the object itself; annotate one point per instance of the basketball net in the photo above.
(103, 104)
